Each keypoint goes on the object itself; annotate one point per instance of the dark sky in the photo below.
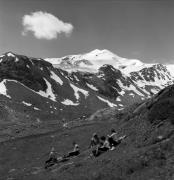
(142, 29)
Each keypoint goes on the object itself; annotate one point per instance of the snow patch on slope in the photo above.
(77, 90)
(154, 90)
(170, 68)
(133, 67)
(10, 54)
(118, 99)
(27, 104)
(3, 89)
(106, 101)
(49, 93)
(2, 56)
(56, 78)
(53, 60)
(92, 87)
(76, 78)
(16, 59)
(134, 89)
(128, 88)
(160, 83)
(68, 102)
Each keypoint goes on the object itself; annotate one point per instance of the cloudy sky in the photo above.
(142, 29)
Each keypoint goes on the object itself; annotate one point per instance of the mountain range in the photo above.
(146, 152)
(47, 103)
(37, 91)
(92, 61)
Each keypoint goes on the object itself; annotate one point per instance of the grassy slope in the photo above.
(138, 157)
(146, 153)
(23, 153)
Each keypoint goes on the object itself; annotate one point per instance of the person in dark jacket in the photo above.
(75, 151)
(102, 147)
(94, 140)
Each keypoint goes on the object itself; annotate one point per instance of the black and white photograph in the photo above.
(86, 89)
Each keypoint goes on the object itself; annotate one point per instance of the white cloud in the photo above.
(45, 25)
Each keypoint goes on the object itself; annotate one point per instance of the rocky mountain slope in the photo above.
(146, 153)
(34, 91)
(148, 77)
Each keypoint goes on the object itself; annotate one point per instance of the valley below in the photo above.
(44, 105)
(146, 153)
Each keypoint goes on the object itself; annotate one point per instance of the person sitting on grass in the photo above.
(75, 152)
(94, 140)
(102, 147)
(113, 139)
(52, 157)
(105, 144)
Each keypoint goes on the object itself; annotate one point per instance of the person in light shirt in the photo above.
(75, 151)
(113, 139)
(52, 157)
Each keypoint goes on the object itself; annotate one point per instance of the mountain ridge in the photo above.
(103, 57)
(36, 89)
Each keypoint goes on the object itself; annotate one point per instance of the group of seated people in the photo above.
(102, 144)
(98, 146)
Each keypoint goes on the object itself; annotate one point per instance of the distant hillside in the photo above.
(146, 152)
(36, 92)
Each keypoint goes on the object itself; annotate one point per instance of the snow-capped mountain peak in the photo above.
(115, 82)
(10, 54)
(104, 54)
(93, 60)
